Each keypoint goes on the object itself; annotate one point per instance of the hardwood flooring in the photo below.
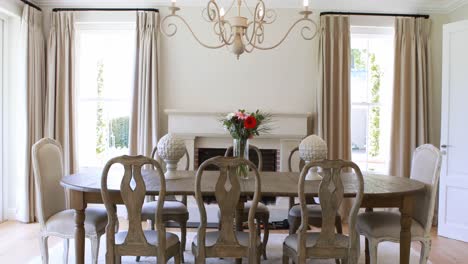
(19, 243)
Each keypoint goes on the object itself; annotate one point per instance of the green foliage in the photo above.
(376, 75)
(359, 58)
(119, 128)
(100, 123)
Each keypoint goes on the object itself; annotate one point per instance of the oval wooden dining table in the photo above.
(379, 192)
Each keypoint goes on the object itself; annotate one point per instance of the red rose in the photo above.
(250, 122)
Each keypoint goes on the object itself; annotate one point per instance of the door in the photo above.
(453, 197)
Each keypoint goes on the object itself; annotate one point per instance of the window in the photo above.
(371, 96)
(105, 58)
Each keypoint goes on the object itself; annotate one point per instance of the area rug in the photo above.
(388, 253)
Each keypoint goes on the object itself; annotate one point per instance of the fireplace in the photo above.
(270, 157)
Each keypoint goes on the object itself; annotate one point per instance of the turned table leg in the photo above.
(405, 233)
(79, 236)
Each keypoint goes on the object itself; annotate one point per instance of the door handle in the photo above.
(443, 146)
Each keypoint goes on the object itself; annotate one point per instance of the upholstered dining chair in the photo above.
(54, 218)
(136, 241)
(385, 226)
(262, 214)
(313, 209)
(326, 244)
(227, 242)
(173, 210)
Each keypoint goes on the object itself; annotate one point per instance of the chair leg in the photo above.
(95, 249)
(425, 249)
(285, 259)
(373, 245)
(183, 239)
(118, 259)
(294, 223)
(44, 249)
(66, 243)
(266, 234)
(366, 251)
(177, 259)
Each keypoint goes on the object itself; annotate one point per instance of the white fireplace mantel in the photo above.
(202, 129)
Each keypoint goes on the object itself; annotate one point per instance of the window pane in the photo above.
(105, 81)
(371, 97)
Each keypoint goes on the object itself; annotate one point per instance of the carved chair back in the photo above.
(227, 194)
(331, 193)
(291, 154)
(132, 191)
(425, 168)
(229, 150)
(47, 163)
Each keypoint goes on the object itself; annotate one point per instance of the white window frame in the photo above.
(3, 84)
(371, 32)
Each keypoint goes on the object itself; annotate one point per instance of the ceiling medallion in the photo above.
(239, 32)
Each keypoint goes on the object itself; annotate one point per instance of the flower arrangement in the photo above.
(244, 125)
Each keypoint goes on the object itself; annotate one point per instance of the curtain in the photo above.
(333, 98)
(144, 117)
(410, 93)
(60, 96)
(34, 70)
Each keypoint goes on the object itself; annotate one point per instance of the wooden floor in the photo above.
(19, 243)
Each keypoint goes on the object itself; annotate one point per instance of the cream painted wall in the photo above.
(460, 14)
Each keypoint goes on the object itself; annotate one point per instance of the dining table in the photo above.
(380, 191)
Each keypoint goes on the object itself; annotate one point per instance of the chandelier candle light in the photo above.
(239, 32)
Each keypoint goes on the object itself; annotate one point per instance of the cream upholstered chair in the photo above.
(385, 226)
(173, 210)
(262, 213)
(227, 242)
(54, 218)
(313, 209)
(135, 241)
(326, 244)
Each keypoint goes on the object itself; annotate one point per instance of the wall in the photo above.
(460, 13)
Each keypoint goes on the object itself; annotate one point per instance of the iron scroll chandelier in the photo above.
(239, 32)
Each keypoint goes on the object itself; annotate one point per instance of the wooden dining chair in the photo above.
(326, 244)
(173, 210)
(136, 241)
(54, 218)
(227, 242)
(262, 214)
(385, 226)
(313, 209)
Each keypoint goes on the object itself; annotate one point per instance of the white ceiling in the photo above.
(399, 6)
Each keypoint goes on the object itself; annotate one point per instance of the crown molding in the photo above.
(398, 6)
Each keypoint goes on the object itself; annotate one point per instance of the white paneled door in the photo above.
(453, 197)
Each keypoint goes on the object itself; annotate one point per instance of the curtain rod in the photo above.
(105, 9)
(373, 14)
(31, 4)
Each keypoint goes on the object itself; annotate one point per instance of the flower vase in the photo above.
(241, 150)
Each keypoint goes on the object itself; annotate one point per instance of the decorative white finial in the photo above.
(171, 149)
(313, 148)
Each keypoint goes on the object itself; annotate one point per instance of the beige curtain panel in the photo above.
(60, 96)
(145, 114)
(410, 92)
(34, 51)
(334, 102)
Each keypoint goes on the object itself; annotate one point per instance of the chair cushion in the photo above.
(261, 208)
(170, 208)
(151, 237)
(341, 241)
(314, 211)
(212, 237)
(384, 224)
(64, 222)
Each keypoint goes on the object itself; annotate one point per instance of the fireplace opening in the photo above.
(270, 157)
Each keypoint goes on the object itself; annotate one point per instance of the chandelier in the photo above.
(239, 32)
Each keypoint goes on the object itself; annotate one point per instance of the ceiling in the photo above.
(398, 6)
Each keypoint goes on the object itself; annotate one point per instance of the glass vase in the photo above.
(241, 150)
